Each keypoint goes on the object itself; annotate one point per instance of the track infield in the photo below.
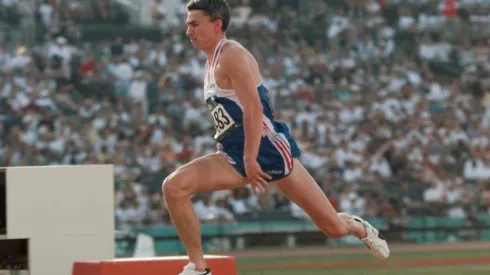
(448, 259)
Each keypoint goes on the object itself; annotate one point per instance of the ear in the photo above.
(219, 24)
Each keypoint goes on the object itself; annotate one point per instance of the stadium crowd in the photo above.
(392, 113)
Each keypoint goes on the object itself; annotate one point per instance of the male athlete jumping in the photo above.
(253, 148)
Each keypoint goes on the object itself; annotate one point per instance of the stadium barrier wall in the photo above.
(237, 236)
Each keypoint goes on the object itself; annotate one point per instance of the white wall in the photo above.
(66, 212)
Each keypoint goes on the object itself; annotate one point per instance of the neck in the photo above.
(212, 46)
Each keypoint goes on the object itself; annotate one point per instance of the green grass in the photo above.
(362, 264)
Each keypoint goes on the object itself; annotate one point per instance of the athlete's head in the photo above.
(207, 20)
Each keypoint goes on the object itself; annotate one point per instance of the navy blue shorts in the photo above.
(276, 152)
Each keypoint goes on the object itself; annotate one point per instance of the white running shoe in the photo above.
(374, 240)
(190, 269)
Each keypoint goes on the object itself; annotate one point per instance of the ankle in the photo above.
(363, 230)
(200, 266)
(356, 227)
(364, 233)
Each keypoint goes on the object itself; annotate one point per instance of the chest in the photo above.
(216, 78)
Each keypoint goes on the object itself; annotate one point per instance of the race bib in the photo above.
(223, 122)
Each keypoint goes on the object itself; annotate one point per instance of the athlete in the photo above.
(253, 148)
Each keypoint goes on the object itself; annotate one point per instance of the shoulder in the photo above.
(234, 54)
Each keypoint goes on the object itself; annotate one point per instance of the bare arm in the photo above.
(237, 68)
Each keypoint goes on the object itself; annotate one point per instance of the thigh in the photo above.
(276, 156)
(302, 189)
(209, 173)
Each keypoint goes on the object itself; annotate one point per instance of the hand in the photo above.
(256, 177)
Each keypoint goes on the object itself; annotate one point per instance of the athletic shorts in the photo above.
(276, 152)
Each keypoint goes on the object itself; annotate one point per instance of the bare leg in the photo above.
(209, 173)
(302, 189)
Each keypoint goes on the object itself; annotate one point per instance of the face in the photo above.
(201, 31)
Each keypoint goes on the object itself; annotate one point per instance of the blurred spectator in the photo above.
(391, 110)
(208, 211)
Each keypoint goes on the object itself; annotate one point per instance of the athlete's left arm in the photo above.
(235, 64)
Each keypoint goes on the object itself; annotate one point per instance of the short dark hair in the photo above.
(215, 9)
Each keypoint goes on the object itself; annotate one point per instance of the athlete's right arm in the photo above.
(237, 69)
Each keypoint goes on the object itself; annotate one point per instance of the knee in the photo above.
(176, 186)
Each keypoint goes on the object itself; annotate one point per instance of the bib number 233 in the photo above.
(222, 121)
